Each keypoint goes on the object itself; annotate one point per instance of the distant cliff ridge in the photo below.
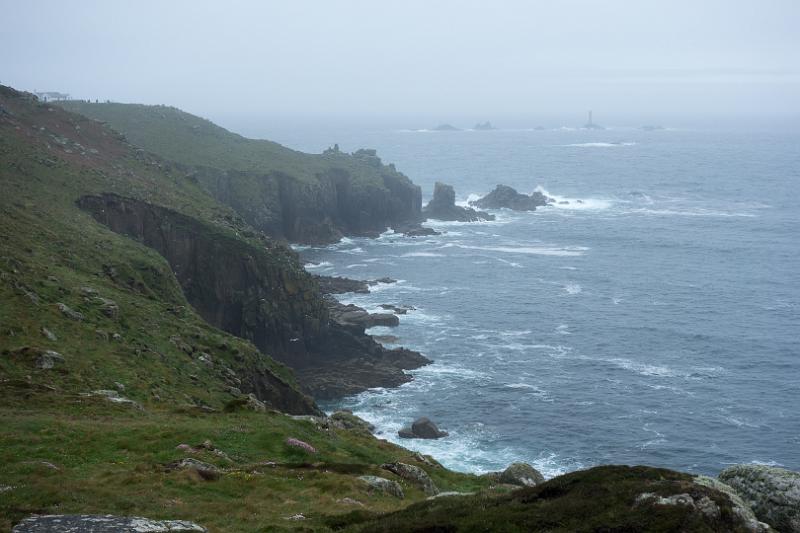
(303, 198)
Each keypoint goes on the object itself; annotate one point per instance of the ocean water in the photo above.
(656, 321)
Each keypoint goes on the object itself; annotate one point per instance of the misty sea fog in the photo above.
(649, 317)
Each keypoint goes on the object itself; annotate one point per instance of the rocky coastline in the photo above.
(161, 342)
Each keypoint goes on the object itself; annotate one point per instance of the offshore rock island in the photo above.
(163, 349)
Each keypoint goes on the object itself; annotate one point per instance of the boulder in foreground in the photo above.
(80, 523)
(773, 493)
(521, 474)
(414, 474)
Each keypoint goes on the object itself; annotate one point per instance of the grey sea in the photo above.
(651, 316)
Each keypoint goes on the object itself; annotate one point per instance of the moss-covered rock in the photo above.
(605, 498)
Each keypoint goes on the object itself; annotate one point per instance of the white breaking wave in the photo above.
(356, 250)
(471, 198)
(572, 288)
(567, 251)
(509, 263)
(598, 145)
(700, 212)
(321, 264)
(564, 202)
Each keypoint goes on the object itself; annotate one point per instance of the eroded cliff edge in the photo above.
(261, 294)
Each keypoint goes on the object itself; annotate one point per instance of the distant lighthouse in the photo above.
(591, 125)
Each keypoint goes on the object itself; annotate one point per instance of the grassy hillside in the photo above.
(52, 254)
(191, 140)
(118, 321)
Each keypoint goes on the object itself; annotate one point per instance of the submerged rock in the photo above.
(507, 197)
(422, 428)
(773, 493)
(443, 207)
(398, 309)
(419, 231)
(103, 524)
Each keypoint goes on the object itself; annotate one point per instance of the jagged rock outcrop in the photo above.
(351, 316)
(507, 197)
(738, 505)
(414, 474)
(443, 207)
(84, 523)
(319, 211)
(773, 493)
(339, 285)
(383, 485)
(260, 293)
(521, 474)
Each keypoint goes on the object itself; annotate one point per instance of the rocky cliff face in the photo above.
(255, 294)
(318, 212)
(305, 198)
(261, 294)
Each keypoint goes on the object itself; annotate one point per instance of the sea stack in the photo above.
(443, 207)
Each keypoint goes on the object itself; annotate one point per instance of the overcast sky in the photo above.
(407, 57)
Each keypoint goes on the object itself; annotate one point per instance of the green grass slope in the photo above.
(52, 254)
(194, 141)
(116, 316)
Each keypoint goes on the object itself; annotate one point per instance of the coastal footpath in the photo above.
(162, 350)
